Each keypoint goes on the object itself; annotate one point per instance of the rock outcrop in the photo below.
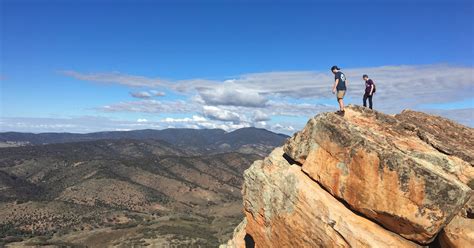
(363, 180)
(238, 237)
(460, 231)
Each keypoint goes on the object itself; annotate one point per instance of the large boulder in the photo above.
(406, 177)
(286, 208)
(459, 233)
(444, 135)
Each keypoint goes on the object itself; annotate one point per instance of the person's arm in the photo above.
(371, 89)
(335, 86)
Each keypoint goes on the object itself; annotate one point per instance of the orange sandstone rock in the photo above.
(459, 233)
(284, 207)
(364, 180)
(385, 170)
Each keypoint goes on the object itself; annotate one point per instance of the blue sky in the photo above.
(82, 66)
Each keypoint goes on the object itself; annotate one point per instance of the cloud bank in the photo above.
(282, 101)
(435, 83)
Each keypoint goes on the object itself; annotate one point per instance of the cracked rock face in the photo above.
(444, 135)
(364, 180)
(386, 169)
(460, 231)
(286, 208)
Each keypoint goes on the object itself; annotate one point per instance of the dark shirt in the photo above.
(368, 86)
(342, 80)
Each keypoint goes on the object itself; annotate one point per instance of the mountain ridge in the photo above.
(176, 136)
(135, 191)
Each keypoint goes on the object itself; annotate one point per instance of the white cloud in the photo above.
(253, 99)
(401, 87)
(147, 94)
(157, 93)
(82, 124)
(202, 122)
(283, 129)
(398, 87)
(87, 124)
(195, 118)
(116, 78)
(142, 120)
(221, 114)
(141, 94)
(260, 116)
(150, 106)
(231, 94)
(297, 109)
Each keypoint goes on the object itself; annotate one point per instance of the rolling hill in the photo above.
(130, 187)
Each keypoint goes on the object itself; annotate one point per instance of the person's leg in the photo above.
(340, 96)
(341, 104)
(365, 100)
(342, 100)
(370, 101)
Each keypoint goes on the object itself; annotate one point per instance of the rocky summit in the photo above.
(366, 179)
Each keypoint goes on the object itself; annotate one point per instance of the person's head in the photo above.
(335, 69)
(365, 77)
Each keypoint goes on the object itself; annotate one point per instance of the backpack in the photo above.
(375, 88)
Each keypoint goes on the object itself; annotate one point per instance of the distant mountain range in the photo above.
(178, 187)
(194, 139)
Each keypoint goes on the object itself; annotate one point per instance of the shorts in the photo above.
(341, 94)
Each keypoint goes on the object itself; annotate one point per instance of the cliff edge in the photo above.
(363, 180)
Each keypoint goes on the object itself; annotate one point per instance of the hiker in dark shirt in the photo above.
(339, 88)
(369, 90)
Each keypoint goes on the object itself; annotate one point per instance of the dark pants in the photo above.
(366, 96)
